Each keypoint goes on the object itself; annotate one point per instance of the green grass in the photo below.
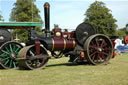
(60, 72)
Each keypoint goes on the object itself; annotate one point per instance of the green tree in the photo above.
(24, 11)
(1, 17)
(123, 31)
(101, 18)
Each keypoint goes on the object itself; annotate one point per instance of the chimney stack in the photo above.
(47, 18)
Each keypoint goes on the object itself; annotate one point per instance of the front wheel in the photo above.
(28, 58)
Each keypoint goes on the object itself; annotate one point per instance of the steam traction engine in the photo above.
(81, 45)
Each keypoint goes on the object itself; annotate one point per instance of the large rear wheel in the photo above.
(98, 49)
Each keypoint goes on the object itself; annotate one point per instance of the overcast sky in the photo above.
(70, 13)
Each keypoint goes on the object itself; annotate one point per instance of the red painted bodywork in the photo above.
(63, 42)
(113, 38)
(37, 42)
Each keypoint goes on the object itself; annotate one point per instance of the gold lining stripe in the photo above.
(64, 44)
(74, 43)
(53, 44)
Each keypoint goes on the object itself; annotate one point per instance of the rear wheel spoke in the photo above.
(93, 53)
(102, 43)
(105, 53)
(100, 58)
(93, 47)
(97, 43)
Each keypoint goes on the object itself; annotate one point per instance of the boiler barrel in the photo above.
(62, 44)
(59, 44)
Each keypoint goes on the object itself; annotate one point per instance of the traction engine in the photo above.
(82, 46)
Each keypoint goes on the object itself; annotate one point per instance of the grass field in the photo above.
(60, 72)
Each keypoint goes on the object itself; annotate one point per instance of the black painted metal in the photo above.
(5, 36)
(47, 18)
(83, 31)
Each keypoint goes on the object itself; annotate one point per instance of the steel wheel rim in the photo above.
(99, 49)
(33, 63)
(26, 61)
(8, 55)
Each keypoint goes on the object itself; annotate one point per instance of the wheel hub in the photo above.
(13, 56)
(99, 49)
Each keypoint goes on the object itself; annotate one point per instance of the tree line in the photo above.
(97, 14)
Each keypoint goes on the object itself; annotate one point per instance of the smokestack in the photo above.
(47, 17)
